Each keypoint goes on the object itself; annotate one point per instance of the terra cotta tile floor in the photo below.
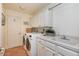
(16, 51)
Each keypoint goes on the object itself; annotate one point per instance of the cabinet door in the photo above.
(66, 52)
(48, 18)
(49, 52)
(45, 51)
(40, 50)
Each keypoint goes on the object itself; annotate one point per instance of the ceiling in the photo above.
(30, 8)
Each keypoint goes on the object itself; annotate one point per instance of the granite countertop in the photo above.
(72, 44)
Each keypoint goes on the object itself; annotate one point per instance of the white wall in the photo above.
(0, 25)
(66, 19)
(3, 30)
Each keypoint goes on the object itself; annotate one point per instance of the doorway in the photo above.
(14, 31)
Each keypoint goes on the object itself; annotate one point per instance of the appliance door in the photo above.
(33, 44)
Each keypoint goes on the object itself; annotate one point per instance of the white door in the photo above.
(14, 31)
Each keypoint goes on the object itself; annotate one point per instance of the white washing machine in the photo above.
(32, 41)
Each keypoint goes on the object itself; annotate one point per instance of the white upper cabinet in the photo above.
(66, 19)
(43, 18)
(47, 18)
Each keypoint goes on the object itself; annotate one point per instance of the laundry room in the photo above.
(39, 29)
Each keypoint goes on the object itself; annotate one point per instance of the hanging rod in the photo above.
(55, 6)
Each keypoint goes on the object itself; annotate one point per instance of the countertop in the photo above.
(72, 44)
